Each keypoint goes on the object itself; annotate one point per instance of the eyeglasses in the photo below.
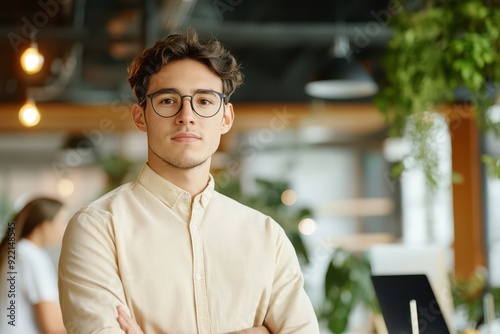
(167, 103)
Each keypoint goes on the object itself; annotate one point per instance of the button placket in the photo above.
(200, 291)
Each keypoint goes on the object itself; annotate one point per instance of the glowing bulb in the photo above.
(29, 115)
(289, 197)
(307, 226)
(66, 187)
(32, 60)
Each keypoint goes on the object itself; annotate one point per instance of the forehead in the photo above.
(186, 75)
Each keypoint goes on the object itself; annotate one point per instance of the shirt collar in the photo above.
(169, 193)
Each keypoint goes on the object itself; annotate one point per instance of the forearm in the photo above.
(290, 309)
(129, 326)
(49, 318)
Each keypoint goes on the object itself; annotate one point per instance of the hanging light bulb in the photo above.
(307, 226)
(28, 114)
(31, 59)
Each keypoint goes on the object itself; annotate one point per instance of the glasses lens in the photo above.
(166, 103)
(206, 104)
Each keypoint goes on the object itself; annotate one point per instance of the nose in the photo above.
(186, 114)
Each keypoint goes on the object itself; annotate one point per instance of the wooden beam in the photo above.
(467, 201)
(71, 118)
(355, 118)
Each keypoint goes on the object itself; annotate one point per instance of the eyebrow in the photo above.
(200, 90)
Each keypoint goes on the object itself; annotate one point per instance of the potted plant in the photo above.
(468, 299)
(117, 169)
(347, 285)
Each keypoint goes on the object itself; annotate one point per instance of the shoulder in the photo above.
(107, 200)
(241, 209)
(237, 212)
(102, 208)
(29, 252)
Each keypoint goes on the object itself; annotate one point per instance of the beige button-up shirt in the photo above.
(180, 266)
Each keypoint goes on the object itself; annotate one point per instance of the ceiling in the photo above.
(88, 43)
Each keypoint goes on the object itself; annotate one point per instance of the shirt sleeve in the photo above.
(89, 284)
(290, 309)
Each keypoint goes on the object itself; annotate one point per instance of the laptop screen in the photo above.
(394, 293)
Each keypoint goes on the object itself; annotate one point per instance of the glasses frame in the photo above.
(223, 99)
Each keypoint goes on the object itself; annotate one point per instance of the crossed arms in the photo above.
(129, 326)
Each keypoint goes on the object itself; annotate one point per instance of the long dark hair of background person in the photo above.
(34, 213)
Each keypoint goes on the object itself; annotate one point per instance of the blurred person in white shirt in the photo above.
(29, 300)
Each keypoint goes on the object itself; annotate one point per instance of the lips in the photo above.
(185, 137)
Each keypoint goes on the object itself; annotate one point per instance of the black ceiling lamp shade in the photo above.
(342, 77)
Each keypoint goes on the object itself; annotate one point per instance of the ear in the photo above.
(139, 117)
(228, 118)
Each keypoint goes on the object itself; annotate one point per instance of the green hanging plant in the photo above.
(493, 165)
(438, 50)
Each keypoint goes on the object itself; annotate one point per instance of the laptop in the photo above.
(394, 293)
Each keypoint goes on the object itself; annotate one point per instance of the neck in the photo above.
(192, 180)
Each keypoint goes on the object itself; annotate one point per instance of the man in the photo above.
(176, 255)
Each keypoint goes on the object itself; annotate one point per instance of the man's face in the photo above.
(185, 140)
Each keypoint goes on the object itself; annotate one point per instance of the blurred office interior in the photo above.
(333, 152)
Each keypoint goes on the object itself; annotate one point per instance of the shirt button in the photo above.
(185, 197)
(197, 277)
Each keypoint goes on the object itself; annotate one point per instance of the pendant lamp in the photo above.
(342, 77)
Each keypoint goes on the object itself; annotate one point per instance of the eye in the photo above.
(205, 102)
(166, 99)
(205, 99)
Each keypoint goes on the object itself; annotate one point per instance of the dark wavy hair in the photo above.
(184, 46)
(34, 213)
